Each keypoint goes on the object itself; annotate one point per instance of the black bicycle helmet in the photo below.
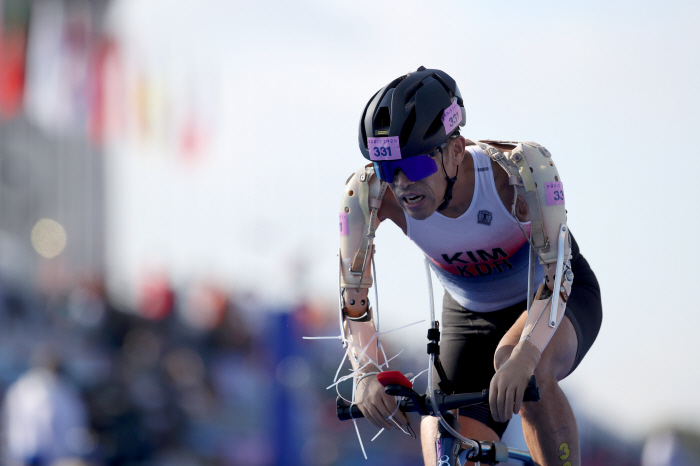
(411, 107)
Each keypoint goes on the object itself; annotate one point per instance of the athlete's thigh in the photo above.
(469, 340)
(470, 428)
(467, 348)
(559, 355)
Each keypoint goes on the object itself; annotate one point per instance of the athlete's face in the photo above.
(420, 199)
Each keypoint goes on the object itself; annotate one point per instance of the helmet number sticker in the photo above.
(554, 193)
(381, 149)
(452, 117)
(343, 224)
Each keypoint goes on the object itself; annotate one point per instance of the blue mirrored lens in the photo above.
(415, 168)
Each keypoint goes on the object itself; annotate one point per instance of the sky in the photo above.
(610, 88)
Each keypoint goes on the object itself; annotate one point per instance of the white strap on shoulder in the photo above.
(371, 195)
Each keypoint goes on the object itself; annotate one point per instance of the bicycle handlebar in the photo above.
(413, 402)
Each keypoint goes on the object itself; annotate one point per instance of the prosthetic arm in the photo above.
(535, 178)
(359, 208)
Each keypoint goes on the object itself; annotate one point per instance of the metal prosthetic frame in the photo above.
(534, 177)
(359, 208)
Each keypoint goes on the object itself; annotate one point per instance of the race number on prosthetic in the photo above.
(382, 149)
(554, 192)
(451, 117)
(343, 224)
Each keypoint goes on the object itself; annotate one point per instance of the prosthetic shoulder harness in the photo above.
(535, 178)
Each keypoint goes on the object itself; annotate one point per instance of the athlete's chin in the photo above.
(418, 212)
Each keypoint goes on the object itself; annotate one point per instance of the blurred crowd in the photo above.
(184, 378)
(193, 378)
(201, 376)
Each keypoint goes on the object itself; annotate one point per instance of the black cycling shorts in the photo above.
(469, 339)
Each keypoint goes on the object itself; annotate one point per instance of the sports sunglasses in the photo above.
(415, 168)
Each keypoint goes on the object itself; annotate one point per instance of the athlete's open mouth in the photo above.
(413, 199)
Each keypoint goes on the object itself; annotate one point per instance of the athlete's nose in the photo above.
(400, 179)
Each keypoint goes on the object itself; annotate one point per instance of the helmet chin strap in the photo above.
(450, 185)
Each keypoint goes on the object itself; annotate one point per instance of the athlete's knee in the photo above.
(545, 379)
(549, 386)
(560, 355)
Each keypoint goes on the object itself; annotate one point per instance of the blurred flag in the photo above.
(13, 46)
(58, 66)
(192, 137)
(109, 94)
(78, 53)
(98, 90)
(43, 97)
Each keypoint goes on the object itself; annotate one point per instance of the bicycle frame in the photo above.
(447, 447)
(450, 451)
(449, 443)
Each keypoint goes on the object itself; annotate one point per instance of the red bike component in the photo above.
(393, 377)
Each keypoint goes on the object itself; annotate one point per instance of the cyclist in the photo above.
(460, 208)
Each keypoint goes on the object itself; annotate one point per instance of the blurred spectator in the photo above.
(671, 448)
(44, 418)
(157, 296)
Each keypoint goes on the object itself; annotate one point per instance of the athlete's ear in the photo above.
(457, 148)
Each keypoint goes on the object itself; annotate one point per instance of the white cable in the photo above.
(430, 291)
(419, 374)
(351, 347)
(323, 338)
(380, 346)
(376, 292)
(471, 443)
(340, 296)
(391, 418)
(354, 421)
(466, 441)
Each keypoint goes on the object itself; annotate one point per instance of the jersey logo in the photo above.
(484, 217)
(486, 264)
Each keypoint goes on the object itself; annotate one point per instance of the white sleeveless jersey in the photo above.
(481, 257)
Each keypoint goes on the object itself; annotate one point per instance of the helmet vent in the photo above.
(382, 119)
(439, 79)
(407, 127)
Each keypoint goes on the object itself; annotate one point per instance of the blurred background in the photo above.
(170, 173)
